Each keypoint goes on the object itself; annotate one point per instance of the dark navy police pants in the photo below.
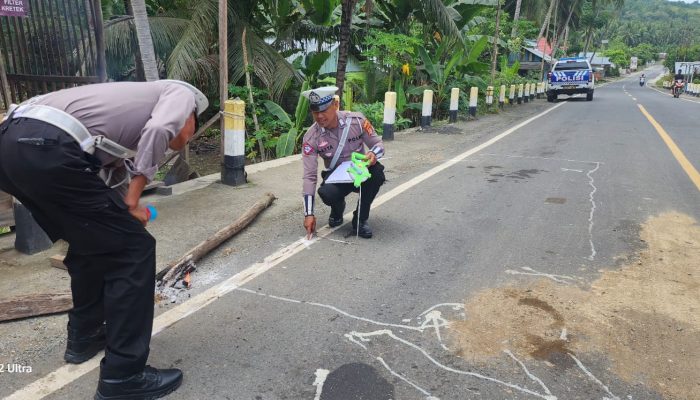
(111, 256)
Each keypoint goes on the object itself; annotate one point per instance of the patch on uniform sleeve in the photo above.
(307, 149)
(367, 127)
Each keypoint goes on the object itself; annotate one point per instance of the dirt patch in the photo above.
(645, 316)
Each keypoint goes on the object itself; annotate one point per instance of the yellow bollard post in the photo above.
(233, 169)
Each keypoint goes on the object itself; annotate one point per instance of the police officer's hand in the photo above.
(310, 225)
(372, 158)
(140, 213)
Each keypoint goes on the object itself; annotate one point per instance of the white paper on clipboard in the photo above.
(340, 174)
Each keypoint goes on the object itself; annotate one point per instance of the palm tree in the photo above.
(516, 17)
(143, 32)
(546, 18)
(348, 6)
(186, 40)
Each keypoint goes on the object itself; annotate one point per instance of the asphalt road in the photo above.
(530, 222)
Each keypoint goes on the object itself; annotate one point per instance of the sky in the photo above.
(685, 1)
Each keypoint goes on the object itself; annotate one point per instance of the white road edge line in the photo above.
(66, 374)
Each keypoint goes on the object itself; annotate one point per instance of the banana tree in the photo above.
(287, 141)
(457, 65)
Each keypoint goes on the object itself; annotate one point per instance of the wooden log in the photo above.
(35, 305)
(7, 215)
(57, 262)
(171, 274)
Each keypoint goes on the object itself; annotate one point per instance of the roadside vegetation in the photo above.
(278, 48)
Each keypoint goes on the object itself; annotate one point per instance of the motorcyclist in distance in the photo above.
(676, 79)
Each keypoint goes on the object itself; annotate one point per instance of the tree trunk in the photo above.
(143, 33)
(494, 56)
(545, 26)
(516, 17)
(589, 36)
(348, 7)
(588, 41)
(555, 29)
(546, 19)
(565, 28)
(249, 83)
(138, 62)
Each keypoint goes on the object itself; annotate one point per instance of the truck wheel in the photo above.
(589, 96)
(551, 97)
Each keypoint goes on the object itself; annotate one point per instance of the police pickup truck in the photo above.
(570, 76)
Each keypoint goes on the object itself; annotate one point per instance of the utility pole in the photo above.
(223, 66)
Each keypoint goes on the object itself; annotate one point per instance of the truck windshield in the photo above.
(571, 65)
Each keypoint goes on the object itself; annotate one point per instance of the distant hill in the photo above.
(664, 24)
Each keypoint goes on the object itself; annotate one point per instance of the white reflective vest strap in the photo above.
(74, 128)
(113, 148)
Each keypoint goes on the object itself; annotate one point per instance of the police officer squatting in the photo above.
(79, 160)
(335, 136)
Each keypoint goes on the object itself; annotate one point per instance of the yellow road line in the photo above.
(689, 169)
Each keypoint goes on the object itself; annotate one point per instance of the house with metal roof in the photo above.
(531, 57)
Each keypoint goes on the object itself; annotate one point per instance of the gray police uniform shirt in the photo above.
(141, 116)
(324, 143)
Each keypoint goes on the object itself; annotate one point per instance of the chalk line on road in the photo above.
(532, 272)
(591, 221)
(590, 375)
(433, 320)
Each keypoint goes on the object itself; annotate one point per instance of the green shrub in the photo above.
(374, 112)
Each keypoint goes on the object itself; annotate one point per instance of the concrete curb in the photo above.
(207, 180)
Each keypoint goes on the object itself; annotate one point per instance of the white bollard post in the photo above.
(473, 99)
(233, 168)
(427, 114)
(521, 90)
(389, 115)
(489, 96)
(532, 91)
(454, 104)
(502, 96)
(511, 95)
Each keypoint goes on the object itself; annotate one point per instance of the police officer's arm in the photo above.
(175, 105)
(372, 141)
(310, 177)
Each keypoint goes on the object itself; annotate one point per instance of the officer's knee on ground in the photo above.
(330, 194)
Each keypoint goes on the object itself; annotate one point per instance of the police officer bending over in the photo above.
(53, 150)
(334, 136)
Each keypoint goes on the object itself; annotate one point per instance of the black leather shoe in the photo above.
(333, 222)
(150, 384)
(364, 230)
(82, 348)
(336, 217)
